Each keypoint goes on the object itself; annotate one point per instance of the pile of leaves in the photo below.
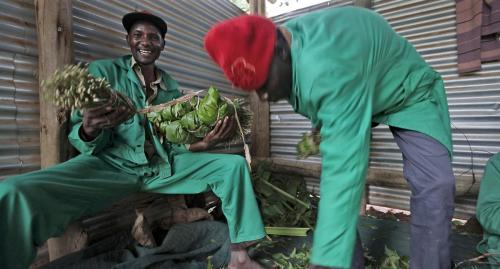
(284, 200)
(272, 254)
(72, 87)
(393, 261)
(189, 118)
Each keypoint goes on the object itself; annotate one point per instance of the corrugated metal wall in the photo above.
(19, 109)
(473, 101)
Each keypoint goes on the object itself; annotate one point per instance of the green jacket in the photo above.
(488, 209)
(123, 146)
(351, 69)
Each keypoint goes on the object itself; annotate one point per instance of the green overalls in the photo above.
(40, 204)
(488, 210)
(351, 69)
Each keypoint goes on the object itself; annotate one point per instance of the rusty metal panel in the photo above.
(19, 108)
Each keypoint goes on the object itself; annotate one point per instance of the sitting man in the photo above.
(122, 155)
(488, 210)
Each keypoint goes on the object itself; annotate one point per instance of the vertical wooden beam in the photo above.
(55, 49)
(260, 128)
(363, 3)
(258, 7)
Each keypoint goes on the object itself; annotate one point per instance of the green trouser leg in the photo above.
(228, 177)
(38, 205)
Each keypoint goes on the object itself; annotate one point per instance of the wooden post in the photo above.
(55, 49)
(260, 128)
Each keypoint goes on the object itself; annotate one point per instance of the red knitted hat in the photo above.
(243, 47)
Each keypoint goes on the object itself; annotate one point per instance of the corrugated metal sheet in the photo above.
(473, 101)
(98, 34)
(19, 109)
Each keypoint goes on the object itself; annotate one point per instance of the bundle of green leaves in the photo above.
(308, 145)
(72, 87)
(190, 119)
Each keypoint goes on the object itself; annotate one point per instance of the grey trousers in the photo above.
(427, 168)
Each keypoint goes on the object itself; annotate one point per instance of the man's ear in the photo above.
(126, 38)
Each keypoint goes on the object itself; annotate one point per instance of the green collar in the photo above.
(125, 62)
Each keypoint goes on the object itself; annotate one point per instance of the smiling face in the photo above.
(145, 42)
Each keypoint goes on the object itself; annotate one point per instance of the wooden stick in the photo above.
(159, 107)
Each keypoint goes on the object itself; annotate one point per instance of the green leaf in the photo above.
(287, 231)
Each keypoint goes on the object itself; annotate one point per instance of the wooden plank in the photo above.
(376, 176)
(55, 49)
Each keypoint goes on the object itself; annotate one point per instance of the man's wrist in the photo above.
(85, 136)
(198, 146)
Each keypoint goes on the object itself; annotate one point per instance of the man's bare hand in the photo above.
(102, 117)
(221, 132)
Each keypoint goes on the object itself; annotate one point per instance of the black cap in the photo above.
(130, 18)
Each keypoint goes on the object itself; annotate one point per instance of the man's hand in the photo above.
(222, 131)
(105, 116)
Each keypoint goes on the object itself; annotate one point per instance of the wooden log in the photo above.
(465, 185)
(55, 49)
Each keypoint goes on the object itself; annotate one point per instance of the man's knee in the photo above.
(9, 186)
(445, 182)
(232, 161)
(239, 161)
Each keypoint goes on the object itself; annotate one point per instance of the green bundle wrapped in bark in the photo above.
(72, 87)
(189, 118)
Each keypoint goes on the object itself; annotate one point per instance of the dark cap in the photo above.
(130, 18)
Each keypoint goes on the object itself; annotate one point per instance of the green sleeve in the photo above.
(488, 203)
(344, 114)
(102, 140)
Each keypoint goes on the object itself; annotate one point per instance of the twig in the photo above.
(159, 107)
(478, 258)
(286, 194)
